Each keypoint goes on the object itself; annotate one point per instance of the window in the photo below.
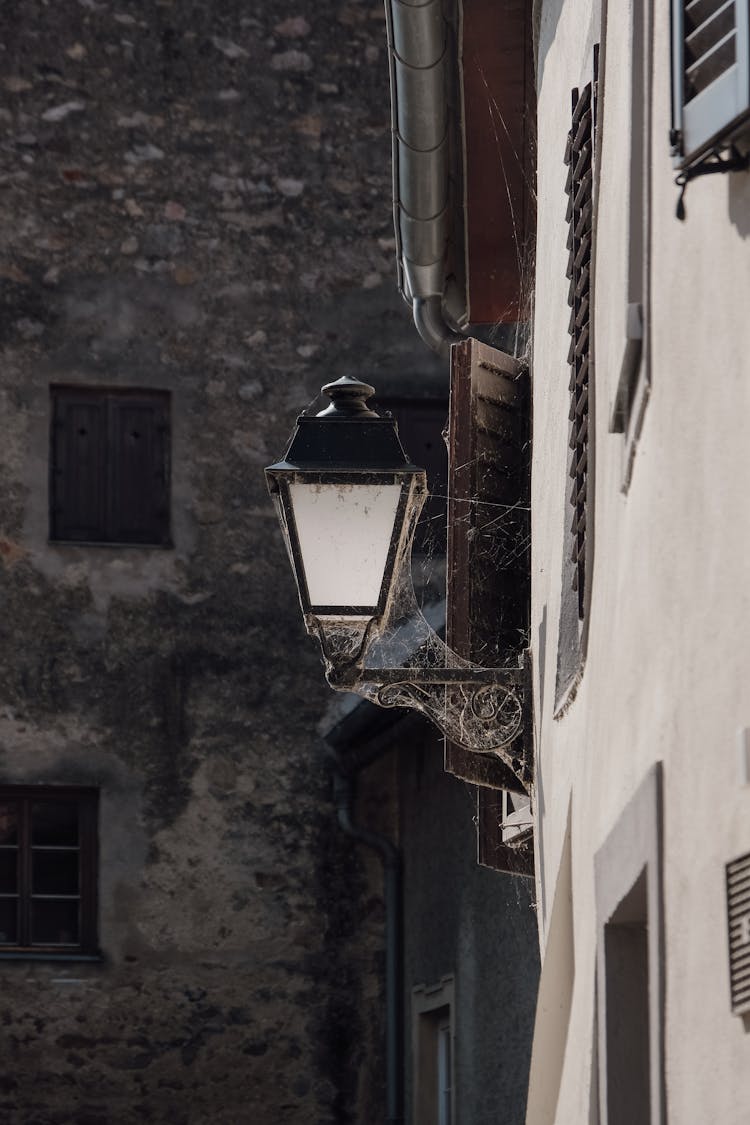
(444, 1070)
(626, 1003)
(630, 962)
(710, 75)
(109, 466)
(48, 870)
(432, 1052)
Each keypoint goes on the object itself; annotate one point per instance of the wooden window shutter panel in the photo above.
(77, 470)
(491, 851)
(139, 469)
(488, 526)
(579, 157)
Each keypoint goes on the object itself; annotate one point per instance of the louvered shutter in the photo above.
(710, 73)
(579, 157)
(78, 486)
(738, 910)
(488, 553)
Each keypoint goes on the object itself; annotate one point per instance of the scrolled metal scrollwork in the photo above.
(482, 717)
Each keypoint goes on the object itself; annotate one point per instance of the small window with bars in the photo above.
(110, 466)
(579, 157)
(710, 75)
(48, 870)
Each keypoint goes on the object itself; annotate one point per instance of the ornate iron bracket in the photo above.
(481, 709)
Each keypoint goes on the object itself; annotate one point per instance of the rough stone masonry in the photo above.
(195, 197)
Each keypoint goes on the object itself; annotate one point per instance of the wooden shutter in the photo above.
(109, 466)
(738, 911)
(488, 550)
(711, 72)
(499, 114)
(579, 157)
(78, 492)
(139, 469)
(420, 428)
(517, 859)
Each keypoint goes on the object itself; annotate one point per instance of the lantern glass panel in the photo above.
(344, 532)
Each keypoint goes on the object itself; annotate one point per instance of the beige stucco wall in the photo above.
(666, 673)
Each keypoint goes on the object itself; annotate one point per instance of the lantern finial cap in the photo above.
(348, 400)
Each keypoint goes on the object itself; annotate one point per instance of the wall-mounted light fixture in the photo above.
(348, 500)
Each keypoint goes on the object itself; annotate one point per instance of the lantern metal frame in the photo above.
(481, 709)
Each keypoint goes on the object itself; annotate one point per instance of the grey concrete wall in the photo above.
(195, 198)
(473, 924)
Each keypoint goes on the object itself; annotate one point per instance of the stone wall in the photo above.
(195, 198)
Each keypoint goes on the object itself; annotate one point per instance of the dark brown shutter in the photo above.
(488, 549)
(109, 466)
(420, 428)
(78, 491)
(138, 469)
(579, 157)
(517, 859)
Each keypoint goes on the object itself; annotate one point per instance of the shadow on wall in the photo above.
(738, 195)
(551, 16)
(554, 1000)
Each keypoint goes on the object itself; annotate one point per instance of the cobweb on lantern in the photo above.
(398, 661)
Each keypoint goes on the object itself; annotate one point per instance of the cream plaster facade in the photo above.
(665, 677)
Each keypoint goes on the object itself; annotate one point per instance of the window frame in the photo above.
(109, 465)
(87, 799)
(432, 1012)
(631, 860)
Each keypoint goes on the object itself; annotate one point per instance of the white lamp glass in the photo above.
(344, 533)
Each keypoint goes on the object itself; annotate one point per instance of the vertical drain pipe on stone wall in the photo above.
(343, 792)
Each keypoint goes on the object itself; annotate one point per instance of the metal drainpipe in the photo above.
(343, 791)
(432, 327)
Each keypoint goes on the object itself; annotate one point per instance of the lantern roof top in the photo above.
(347, 436)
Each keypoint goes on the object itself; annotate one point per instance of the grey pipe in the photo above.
(431, 325)
(418, 55)
(343, 790)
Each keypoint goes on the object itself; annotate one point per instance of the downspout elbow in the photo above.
(431, 325)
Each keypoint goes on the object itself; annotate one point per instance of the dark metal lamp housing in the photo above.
(348, 500)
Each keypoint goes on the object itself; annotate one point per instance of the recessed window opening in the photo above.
(627, 1006)
(47, 869)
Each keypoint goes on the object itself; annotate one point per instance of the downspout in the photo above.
(430, 324)
(343, 792)
(420, 46)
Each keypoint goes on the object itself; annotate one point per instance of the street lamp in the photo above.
(348, 500)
